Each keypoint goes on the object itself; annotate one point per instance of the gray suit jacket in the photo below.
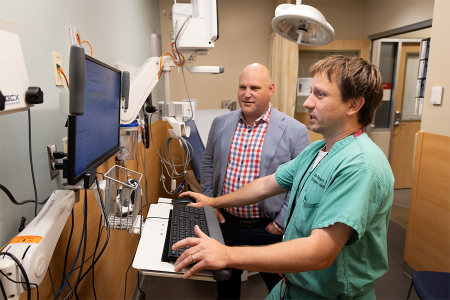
(285, 139)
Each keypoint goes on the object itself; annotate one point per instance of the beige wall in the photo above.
(346, 17)
(436, 118)
(243, 39)
(383, 15)
(357, 19)
(245, 26)
(418, 34)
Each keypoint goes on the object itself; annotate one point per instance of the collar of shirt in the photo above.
(264, 118)
(358, 132)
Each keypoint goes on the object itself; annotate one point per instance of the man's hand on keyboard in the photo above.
(206, 252)
(201, 199)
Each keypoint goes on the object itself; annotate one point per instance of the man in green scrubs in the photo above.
(334, 245)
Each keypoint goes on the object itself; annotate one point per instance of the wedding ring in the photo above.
(193, 259)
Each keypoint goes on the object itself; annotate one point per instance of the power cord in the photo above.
(19, 282)
(67, 252)
(13, 200)
(99, 235)
(3, 290)
(107, 236)
(51, 280)
(81, 42)
(76, 258)
(31, 163)
(84, 246)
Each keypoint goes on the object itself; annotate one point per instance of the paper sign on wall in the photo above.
(387, 90)
(303, 86)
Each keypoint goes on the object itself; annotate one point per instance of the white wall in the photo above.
(435, 118)
(118, 32)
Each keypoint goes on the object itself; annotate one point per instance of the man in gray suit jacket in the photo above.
(243, 145)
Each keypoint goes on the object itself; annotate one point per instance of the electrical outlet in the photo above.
(65, 144)
(50, 149)
(57, 60)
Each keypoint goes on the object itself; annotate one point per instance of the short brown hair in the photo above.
(355, 78)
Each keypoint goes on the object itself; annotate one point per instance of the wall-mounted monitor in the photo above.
(94, 136)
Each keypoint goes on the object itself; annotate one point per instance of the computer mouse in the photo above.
(183, 200)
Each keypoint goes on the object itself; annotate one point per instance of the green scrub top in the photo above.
(354, 185)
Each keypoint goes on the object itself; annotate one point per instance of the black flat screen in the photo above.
(94, 136)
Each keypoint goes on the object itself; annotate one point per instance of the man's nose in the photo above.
(248, 93)
(308, 103)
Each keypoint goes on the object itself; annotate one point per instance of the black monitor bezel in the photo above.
(72, 179)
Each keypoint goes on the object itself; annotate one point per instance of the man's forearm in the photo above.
(284, 257)
(253, 192)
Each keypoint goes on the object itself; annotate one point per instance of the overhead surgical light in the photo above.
(302, 24)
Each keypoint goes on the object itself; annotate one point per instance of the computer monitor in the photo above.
(94, 136)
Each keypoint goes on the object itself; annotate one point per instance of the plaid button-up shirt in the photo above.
(244, 161)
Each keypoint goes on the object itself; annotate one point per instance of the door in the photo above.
(407, 118)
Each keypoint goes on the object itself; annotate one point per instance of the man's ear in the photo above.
(355, 105)
(271, 89)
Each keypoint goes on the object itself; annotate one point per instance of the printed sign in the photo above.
(387, 91)
(303, 86)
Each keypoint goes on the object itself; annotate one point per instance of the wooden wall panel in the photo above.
(427, 245)
(111, 268)
(363, 46)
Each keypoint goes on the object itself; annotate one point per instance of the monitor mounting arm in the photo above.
(144, 82)
(142, 85)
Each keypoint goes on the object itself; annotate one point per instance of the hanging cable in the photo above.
(84, 247)
(13, 200)
(92, 52)
(59, 68)
(168, 161)
(160, 62)
(67, 251)
(81, 42)
(78, 38)
(3, 290)
(107, 236)
(31, 163)
(51, 280)
(99, 235)
(74, 263)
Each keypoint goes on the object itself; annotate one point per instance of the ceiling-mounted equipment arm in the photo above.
(195, 27)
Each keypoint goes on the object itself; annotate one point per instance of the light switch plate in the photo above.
(436, 95)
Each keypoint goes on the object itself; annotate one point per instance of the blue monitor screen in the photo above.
(94, 136)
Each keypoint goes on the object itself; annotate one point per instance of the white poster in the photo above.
(303, 86)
